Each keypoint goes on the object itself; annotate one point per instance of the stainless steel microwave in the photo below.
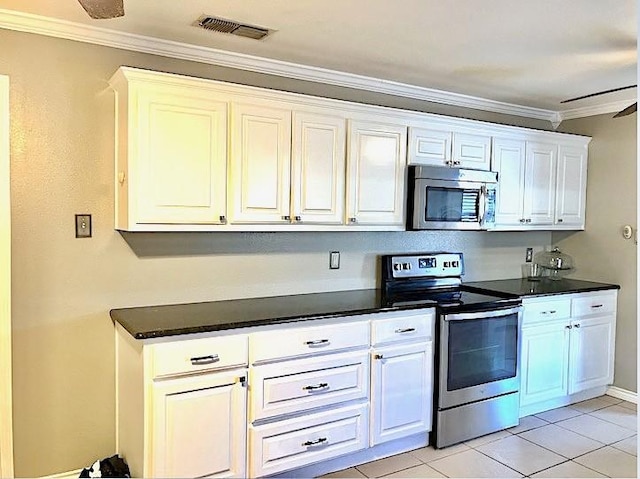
(441, 198)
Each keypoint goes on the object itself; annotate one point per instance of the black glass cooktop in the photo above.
(457, 299)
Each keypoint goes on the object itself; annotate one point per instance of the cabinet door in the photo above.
(571, 186)
(471, 151)
(429, 147)
(260, 164)
(540, 179)
(508, 159)
(198, 427)
(544, 362)
(376, 173)
(318, 168)
(592, 349)
(402, 386)
(177, 172)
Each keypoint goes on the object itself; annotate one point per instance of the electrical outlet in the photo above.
(334, 260)
(83, 226)
(529, 256)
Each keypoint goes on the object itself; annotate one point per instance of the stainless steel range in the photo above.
(477, 364)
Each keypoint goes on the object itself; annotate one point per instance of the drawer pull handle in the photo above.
(316, 387)
(553, 311)
(317, 442)
(317, 342)
(212, 358)
(405, 330)
(594, 306)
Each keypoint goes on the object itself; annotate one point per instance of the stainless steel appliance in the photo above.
(451, 198)
(477, 366)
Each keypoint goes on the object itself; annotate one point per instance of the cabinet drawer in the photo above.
(194, 355)
(542, 311)
(303, 384)
(402, 326)
(594, 304)
(305, 440)
(280, 344)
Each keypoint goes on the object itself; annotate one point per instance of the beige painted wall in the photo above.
(600, 252)
(63, 288)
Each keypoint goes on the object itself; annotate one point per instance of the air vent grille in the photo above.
(216, 24)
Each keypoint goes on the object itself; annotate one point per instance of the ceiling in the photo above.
(528, 53)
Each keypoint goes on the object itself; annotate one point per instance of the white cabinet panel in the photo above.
(318, 168)
(429, 147)
(296, 442)
(471, 151)
(508, 159)
(571, 186)
(260, 164)
(592, 344)
(199, 427)
(544, 362)
(540, 177)
(402, 385)
(376, 173)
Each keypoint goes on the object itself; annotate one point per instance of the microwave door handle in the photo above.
(482, 202)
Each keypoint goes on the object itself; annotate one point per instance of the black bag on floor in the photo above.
(112, 466)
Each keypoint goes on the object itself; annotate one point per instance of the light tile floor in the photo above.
(594, 438)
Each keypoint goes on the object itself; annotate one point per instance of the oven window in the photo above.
(482, 351)
(451, 204)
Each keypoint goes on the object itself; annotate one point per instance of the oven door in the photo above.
(448, 204)
(479, 355)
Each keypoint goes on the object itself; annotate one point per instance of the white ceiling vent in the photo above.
(222, 25)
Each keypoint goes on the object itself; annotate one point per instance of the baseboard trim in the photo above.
(625, 394)
(64, 475)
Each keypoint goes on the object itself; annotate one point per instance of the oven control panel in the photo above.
(433, 265)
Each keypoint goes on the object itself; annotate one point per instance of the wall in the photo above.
(62, 151)
(600, 252)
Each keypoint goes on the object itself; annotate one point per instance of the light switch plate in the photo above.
(334, 260)
(83, 226)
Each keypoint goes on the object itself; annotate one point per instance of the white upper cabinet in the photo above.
(449, 148)
(260, 170)
(376, 173)
(471, 151)
(318, 168)
(571, 187)
(540, 176)
(526, 183)
(171, 156)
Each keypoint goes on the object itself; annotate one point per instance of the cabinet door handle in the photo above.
(522, 220)
(317, 442)
(317, 342)
(378, 356)
(560, 220)
(528, 220)
(456, 163)
(353, 220)
(569, 327)
(316, 387)
(297, 218)
(594, 306)
(200, 360)
(286, 218)
(576, 325)
(223, 220)
(448, 162)
(405, 330)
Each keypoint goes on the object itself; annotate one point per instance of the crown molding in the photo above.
(602, 109)
(52, 27)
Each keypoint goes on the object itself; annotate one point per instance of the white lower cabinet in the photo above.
(401, 385)
(298, 441)
(199, 426)
(570, 352)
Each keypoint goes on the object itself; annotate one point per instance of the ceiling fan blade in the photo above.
(599, 93)
(627, 111)
(101, 9)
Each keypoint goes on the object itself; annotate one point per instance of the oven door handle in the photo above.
(483, 314)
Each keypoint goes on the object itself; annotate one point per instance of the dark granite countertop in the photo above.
(169, 320)
(545, 287)
(156, 321)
